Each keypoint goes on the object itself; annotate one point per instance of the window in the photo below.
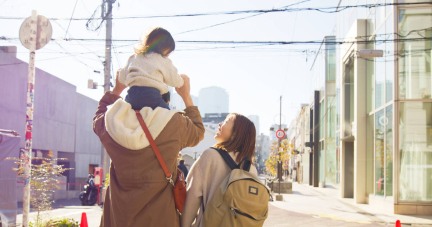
(415, 150)
(379, 152)
(380, 65)
(415, 56)
(349, 96)
(331, 140)
(389, 151)
(390, 59)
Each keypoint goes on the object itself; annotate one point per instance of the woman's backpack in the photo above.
(241, 199)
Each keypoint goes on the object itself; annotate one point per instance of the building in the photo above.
(176, 102)
(213, 100)
(262, 151)
(371, 118)
(255, 120)
(214, 118)
(298, 136)
(63, 118)
(190, 154)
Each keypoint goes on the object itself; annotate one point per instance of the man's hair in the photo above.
(182, 162)
(166, 97)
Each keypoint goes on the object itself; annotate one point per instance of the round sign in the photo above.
(280, 134)
(44, 32)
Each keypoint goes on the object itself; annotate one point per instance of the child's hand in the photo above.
(119, 87)
(184, 91)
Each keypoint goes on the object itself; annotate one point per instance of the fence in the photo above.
(66, 191)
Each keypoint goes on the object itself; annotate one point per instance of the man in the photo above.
(183, 168)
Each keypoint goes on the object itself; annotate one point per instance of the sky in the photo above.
(255, 76)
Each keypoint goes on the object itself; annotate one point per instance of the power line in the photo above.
(333, 9)
(242, 18)
(73, 11)
(251, 42)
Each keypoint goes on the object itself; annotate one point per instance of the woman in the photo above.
(236, 135)
(139, 194)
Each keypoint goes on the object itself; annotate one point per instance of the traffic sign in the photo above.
(280, 134)
(42, 33)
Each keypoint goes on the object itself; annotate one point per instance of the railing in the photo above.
(81, 188)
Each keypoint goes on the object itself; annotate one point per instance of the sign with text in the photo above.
(280, 134)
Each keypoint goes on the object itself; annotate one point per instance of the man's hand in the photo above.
(184, 91)
(119, 87)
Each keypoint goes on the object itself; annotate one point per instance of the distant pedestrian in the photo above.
(236, 136)
(139, 193)
(183, 168)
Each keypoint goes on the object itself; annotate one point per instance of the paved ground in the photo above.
(280, 217)
(326, 205)
(307, 206)
(70, 208)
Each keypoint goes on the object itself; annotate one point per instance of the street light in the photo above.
(195, 152)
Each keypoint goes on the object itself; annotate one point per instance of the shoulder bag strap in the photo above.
(227, 158)
(153, 145)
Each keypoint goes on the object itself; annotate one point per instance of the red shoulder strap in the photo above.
(153, 145)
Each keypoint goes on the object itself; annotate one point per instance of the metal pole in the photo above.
(107, 70)
(29, 120)
(279, 145)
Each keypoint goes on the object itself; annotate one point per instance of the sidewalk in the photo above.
(67, 208)
(325, 203)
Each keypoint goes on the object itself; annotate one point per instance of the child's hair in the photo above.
(158, 41)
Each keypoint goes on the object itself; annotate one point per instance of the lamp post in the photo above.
(195, 152)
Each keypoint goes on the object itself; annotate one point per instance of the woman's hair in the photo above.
(158, 41)
(243, 141)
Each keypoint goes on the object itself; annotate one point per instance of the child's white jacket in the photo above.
(150, 70)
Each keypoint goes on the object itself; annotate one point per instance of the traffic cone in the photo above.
(398, 224)
(84, 220)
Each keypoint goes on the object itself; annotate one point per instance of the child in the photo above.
(149, 71)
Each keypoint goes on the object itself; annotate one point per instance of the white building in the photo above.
(255, 120)
(176, 102)
(189, 155)
(213, 100)
(262, 150)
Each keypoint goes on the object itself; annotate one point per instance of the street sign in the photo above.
(35, 33)
(280, 134)
(42, 34)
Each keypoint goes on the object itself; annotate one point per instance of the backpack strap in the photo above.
(227, 158)
(246, 164)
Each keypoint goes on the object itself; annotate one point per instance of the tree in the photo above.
(42, 182)
(271, 163)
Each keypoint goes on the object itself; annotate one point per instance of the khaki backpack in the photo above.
(241, 199)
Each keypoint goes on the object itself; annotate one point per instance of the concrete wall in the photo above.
(62, 118)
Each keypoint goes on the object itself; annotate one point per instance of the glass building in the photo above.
(372, 119)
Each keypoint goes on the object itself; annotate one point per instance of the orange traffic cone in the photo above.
(398, 224)
(83, 220)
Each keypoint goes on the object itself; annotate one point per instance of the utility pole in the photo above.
(279, 146)
(279, 197)
(107, 67)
